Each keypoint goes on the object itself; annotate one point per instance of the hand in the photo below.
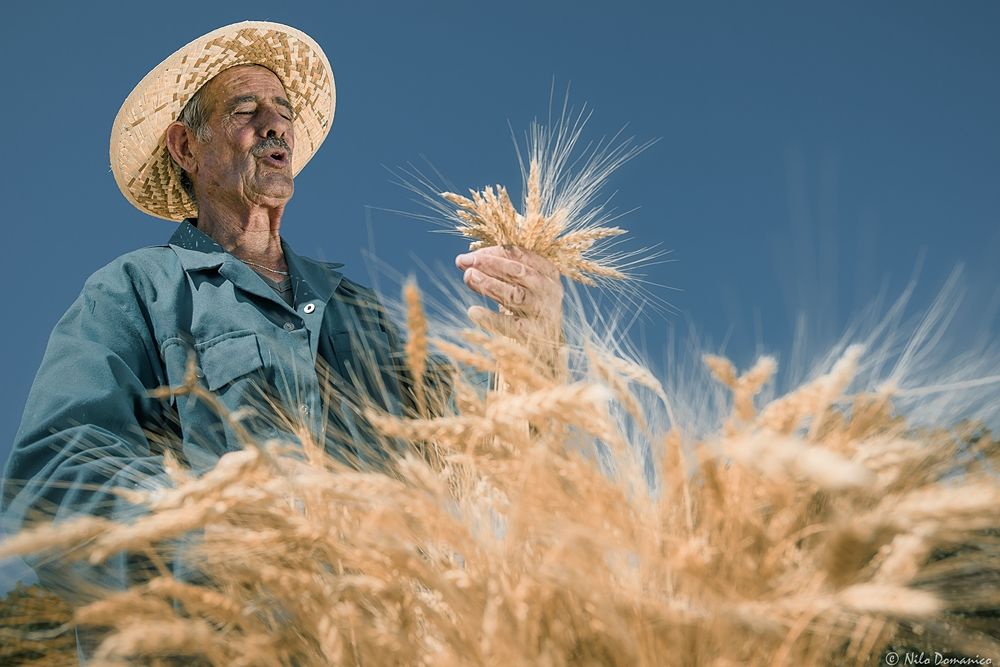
(525, 285)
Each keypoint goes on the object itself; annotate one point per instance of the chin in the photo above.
(274, 201)
(276, 192)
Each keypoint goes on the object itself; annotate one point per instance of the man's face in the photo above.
(247, 160)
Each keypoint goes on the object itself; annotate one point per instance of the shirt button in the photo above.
(304, 409)
(310, 307)
(289, 326)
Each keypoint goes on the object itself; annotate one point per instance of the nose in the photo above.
(274, 124)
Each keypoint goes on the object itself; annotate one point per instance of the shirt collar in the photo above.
(311, 279)
(198, 251)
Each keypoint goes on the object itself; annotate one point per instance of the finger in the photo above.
(511, 296)
(510, 271)
(534, 260)
(538, 294)
(511, 252)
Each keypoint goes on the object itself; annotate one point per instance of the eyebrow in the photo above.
(236, 101)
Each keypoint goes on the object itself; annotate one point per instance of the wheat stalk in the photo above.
(416, 343)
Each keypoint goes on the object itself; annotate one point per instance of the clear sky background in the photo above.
(808, 152)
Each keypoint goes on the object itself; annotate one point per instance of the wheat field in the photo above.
(577, 511)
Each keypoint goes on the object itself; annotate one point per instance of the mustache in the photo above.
(270, 143)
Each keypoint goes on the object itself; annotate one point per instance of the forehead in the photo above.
(244, 80)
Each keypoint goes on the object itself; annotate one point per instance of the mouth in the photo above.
(277, 157)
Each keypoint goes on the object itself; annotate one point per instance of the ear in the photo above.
(180, 142)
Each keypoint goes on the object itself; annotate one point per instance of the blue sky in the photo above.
(808, 152)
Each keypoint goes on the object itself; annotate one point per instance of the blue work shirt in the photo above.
(134, 328)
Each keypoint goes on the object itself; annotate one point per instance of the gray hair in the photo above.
(195, 117)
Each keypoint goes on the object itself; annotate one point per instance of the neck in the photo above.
(250, 235)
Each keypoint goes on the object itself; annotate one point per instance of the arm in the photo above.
(81, 434)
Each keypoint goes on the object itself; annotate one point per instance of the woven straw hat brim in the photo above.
(143, 168)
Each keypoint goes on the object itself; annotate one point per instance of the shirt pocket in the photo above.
(228, 357)
(348, 344)
(362, 352)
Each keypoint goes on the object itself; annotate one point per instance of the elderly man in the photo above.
(213, 137)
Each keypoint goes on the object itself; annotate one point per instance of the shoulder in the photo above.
(364, 298)
(144, 269)
(149, 263)
(352, 288)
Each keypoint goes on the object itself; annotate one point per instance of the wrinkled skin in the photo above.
(526, 286)
(242, 172)
(226, 167)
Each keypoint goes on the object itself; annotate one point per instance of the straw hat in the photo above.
(143, 168)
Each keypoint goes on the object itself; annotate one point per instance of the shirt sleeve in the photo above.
(82, 431)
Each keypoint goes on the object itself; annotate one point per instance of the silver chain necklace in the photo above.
(266, 268)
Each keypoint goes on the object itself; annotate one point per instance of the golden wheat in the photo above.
(539, 554)
(490, 219)
(555, 520)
